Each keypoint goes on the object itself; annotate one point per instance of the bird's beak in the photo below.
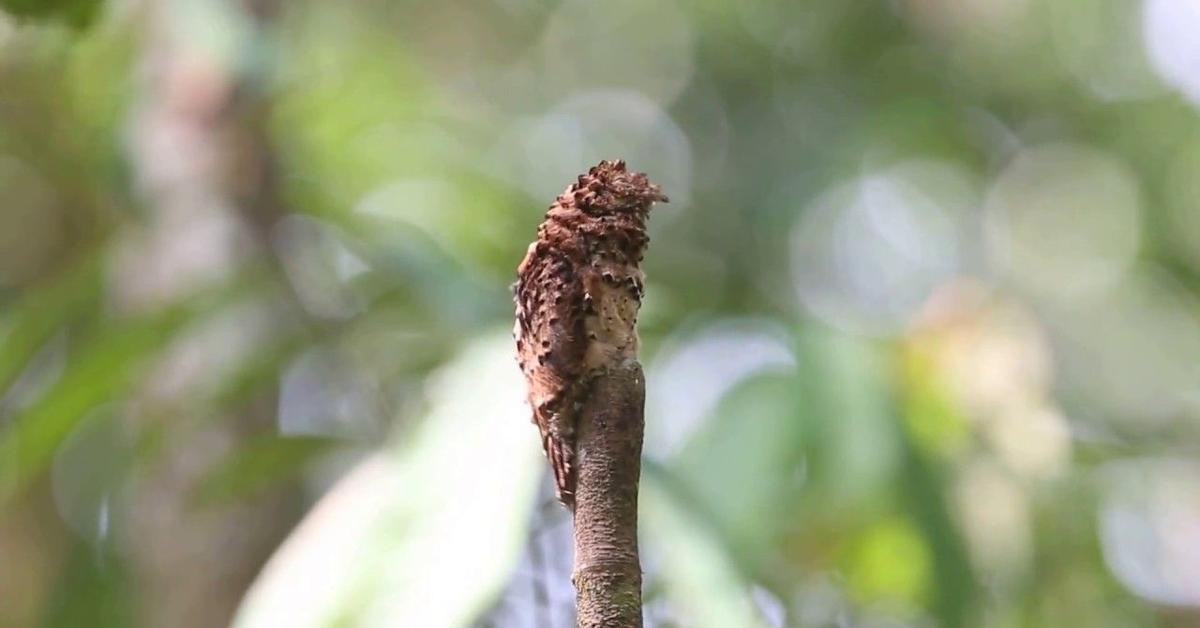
(658, 196)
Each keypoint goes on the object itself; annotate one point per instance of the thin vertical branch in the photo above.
(608, 573)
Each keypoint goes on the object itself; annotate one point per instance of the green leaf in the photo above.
(257, 466)
(954, 584)
(96, 590)
(35, 318)
(889, 560)
(757, 423)
(77, 13)
(852, 450)
(103, 370)
(426, 532)
(699, 569)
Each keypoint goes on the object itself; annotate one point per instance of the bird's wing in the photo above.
(551, 344)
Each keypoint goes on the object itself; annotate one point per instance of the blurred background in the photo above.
(922, 332)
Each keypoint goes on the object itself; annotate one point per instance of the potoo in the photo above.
(578, 292)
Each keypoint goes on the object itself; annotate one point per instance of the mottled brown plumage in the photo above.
(578, 292)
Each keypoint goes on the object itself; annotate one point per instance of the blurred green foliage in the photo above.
(921, 332)
(78, 13)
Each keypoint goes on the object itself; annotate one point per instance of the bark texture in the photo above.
(608, 573)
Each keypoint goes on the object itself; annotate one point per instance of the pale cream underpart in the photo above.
(613, 325)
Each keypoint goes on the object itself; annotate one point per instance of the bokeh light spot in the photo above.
(1063, 221)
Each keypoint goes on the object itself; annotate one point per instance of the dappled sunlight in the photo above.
(1150, 528)
(1169, 28)
(871, 251)
(1064, 221)
(920, 328)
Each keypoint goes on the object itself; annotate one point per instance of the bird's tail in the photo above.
(561, 455)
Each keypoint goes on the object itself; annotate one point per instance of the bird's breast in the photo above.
(610, 325)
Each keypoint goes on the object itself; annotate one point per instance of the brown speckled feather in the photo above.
(577, 295)
(550, 348)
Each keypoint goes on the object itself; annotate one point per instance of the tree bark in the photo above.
(608, 574)
(204, 163)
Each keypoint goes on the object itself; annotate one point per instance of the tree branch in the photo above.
(608, 574)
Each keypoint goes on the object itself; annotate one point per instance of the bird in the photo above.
(577, 296)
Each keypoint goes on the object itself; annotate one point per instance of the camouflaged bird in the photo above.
(577, 294)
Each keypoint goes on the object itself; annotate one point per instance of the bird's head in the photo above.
(611, 188)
